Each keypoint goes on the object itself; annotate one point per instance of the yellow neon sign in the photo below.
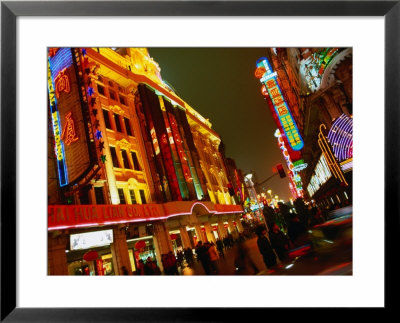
(332, 163)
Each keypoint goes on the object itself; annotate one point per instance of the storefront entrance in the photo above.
(89, 253)
(141, 249)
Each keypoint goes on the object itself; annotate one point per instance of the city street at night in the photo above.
(188, 162)
(156, 172)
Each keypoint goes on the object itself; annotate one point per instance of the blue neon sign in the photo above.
(56, 122)
(269, 79)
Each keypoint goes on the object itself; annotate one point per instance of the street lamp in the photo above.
(276, 199)
(270, 194)
(253, 193)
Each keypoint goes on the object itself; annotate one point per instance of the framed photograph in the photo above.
(43, 280)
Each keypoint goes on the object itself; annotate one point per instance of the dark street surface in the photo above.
(226, 264)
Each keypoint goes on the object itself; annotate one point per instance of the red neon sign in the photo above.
(62, 83)
(68, 135)
(74, 216)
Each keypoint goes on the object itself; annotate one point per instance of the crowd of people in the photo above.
(284, 231)
(149, 267)
(207, 254)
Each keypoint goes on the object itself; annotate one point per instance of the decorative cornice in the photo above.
(116, 109)
(124, 144)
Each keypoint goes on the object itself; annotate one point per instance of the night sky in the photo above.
(220, 84)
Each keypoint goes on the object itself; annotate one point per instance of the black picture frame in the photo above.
(10, 10)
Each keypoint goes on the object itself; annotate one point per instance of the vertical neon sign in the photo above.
(268, 78)
(55, 118)
(295, 179)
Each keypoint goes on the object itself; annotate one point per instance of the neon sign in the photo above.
(62, 83)
(68, 134)
(314, 67)
(299, 165)
(282, 110)
(293, 176)
(340, 136)
(347, 165)
(332, 162)
(55, 118)
(320, 177)
(61, 60)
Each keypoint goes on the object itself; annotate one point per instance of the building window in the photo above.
(142, 196)
(117, 122)
(122, 100)
(133, 196)
(125, 158)
(107, 119)
(112, 95)
(121, 196)
(114, 157)
(135, 161)
(100, 89)
(128, 127)
(84, 196)
(98, 192)
(111, 84)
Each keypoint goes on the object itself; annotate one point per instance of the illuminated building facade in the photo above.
(317, 85)
(235, 177)
(134, 171)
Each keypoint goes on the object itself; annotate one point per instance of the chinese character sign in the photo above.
(62, 83)
(281, 108)
(68, 135)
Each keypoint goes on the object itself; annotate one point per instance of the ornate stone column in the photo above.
(239, 224)
(222, 230)
(57, 258)
(209, 233)
(185, 237)
(232, 228)
(162, 236)
(199, 233)
(119, 251)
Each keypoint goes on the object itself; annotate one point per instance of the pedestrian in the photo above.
(220, 247)
(213, 255)
(189, 256)
(173, 263)
(202, 256)
(226, 242)
(279, 242)
(230, 240)
(265, 248)
(180, 257)
(166, 264)
(296, 231)
(151, 268)
(316, 217)
(140, 268)
(124, 271)
(244, 265)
